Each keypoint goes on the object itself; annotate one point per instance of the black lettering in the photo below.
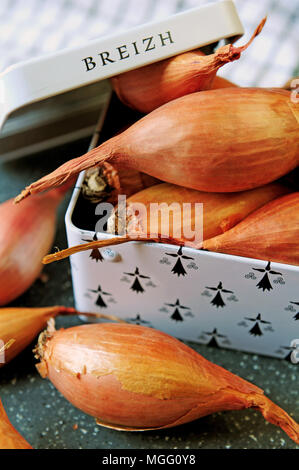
(105, 58)
(135, 47)
(90, 64)
(149, 41)
(122, 50)
(166, 38)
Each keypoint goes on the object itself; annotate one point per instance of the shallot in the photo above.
(217, 141)
(134, 378)
(221, 212)
(19, 326)
(270, 233)
(26, 235)
(10, 438)
(149, 87)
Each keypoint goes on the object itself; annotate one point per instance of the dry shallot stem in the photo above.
(59, 255)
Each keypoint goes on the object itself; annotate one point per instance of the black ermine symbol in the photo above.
(178, 268)
(265, 283)
(176, 316)
(136, 286)
(256, 329)
(218, 300)
(100, 301)
(296, 317)
(214, 336)
(95, 252)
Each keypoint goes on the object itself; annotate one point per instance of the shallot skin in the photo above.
(225, 140)
(10, 438)
(26, 235)
(131, 377)
(220, 211)
(21, 325)
(149, 87)
(269, 233)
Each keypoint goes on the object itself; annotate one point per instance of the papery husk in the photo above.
(225, 140)
(19, 326)
(10, 438)
(149, 87)
(271, 233)
(221, 211)
(133, 378)
(106, 182)
(101, 183)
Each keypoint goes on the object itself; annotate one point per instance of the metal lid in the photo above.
(56, 98)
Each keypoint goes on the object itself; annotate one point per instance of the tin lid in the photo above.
(58, 97)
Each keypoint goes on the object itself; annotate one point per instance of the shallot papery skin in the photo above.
(149, 87)
(106, 182)
(10, 438)
(221, 211)
(26, 235)
(131, 377)
(225, 140)
(270, 233)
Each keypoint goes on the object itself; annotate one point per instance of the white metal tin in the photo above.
(210, 298)
(222, 300)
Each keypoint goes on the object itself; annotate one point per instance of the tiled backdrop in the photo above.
(35, 27)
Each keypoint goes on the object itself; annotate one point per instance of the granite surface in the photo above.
(47, 420)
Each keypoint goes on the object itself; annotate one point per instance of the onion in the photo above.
(149, 87)
(270, 233)
(131, 377)
(9, 436)
(26, 235)
(19, 326)
(217, 141)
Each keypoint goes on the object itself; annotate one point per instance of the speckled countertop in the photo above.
(47, 420)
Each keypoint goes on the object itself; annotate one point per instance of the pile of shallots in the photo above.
(202, 140)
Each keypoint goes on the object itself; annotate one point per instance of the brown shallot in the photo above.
(149, 87)
(134, 378)
(270, 233)
(19, 326)
(26, 235)
(217, 141)
(10, 438)
(221, 211)
(163, 206)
